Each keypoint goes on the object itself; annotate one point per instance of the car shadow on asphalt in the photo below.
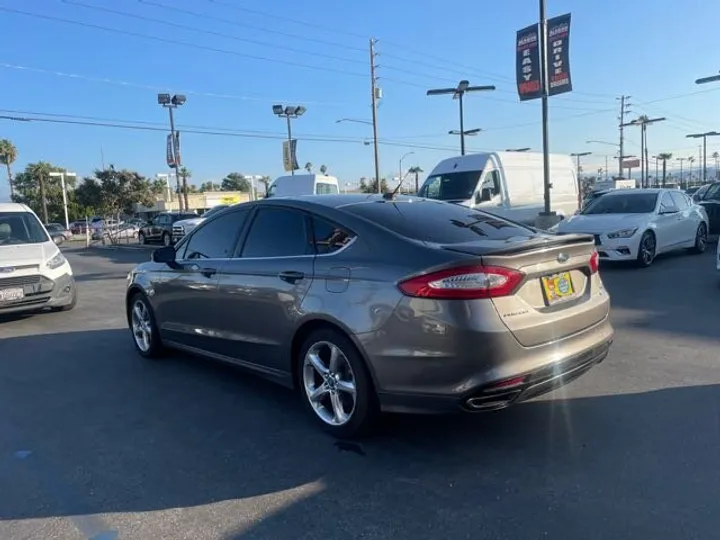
(120, 255)
(668, 297)
(90, 428)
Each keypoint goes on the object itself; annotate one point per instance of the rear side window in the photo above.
(278, 232)
(325, 188)
(680, 200)
(712, 193)
(442, 223)
(21, 228)
(329, 237)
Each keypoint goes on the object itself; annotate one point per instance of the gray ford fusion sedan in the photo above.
(371, 303)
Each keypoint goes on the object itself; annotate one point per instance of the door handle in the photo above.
(207, 272)
(291, 276)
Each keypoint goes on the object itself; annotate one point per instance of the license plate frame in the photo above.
(13, 294)
(557, 288)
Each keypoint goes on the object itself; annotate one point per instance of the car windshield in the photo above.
(21, 228)
(451, 186)
(625, 203)
(441, 223)
(325, 188)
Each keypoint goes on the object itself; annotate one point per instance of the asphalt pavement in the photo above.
(96, 443)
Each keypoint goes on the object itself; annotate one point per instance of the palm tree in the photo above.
(185, 174)
(416, 170)
(308, 167)
(642, 119)
(8, 155)
(664, 157)
(691, 160)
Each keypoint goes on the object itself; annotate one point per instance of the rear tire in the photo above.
(143, 328)
(332, 370)
(646, 250)
(700, 239)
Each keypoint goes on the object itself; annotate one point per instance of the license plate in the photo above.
(557, 287)
(11, 295)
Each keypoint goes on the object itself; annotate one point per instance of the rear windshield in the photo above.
(623, 203)
(442, 223)
(456, 186)
(325, 188)
(21, 228)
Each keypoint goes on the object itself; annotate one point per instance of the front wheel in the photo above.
(335, 385)
(700, 239)
(144, 328)
(646, 250)
(142, 239)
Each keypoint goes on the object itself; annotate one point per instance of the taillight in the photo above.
(464, 283)
(594, 262)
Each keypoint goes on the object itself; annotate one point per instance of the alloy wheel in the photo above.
(701, 240)
(329, 383)
(647, 248)
(141, 326)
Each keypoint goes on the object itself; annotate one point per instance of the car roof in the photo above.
(13, 207)
(340, 200)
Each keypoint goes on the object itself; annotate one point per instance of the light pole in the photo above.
(577, 156)
(62, 176)
(643, 122)
(704, 137)
(367, 143)
(171, 103)
(400, 178)
(289, 112)
(458, 93)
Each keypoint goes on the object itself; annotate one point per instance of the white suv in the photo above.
(34, 274)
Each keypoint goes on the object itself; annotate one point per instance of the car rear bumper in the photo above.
(499, 395)
(42, 293)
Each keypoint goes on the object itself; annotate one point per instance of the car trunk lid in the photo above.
(560, 294)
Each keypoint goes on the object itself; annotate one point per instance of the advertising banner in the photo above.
(289, 155)
(527, 63)
(558, 51)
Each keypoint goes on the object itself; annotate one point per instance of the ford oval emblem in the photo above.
(562, 257)
(6, 269)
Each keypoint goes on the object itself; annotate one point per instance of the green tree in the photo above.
(121, 190)
(42, 193)
(416, 170)
(371, 186)
(235, 182)
(8, 155)
(158, 187)
(265, 181)
(209, 186)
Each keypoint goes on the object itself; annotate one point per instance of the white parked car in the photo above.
(34, 274)
(638, 224)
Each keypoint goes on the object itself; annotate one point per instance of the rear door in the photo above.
(262, 288)
(688, 223)
(711, 201)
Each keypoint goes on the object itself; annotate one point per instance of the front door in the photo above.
(711, 202)
(188, 296)
(262, 289)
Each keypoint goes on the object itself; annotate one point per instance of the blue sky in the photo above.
(616, 48)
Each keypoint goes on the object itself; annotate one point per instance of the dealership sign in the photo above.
(529, 70)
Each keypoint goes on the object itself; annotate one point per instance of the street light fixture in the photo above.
(458, 93)
(466, 133)
(62, 176)
(527, 149)
(170, 103)
(704, 137)
(368, 122)
(703, 80)
(289, 112)
(400, 177)
(644, 164)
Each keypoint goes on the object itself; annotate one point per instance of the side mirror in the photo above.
(165, 255)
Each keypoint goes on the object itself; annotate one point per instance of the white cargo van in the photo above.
(303, 184)
(509, 184)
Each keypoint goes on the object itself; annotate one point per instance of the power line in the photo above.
(162, 88)
(212, 32)
(181, 43)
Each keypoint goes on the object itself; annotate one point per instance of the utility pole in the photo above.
(624, 109)
(643, 122)
(171, 103)
(545, 87)
(703, 149)
(375, 92)
(681, 160)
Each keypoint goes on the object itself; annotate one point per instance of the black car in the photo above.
(159, 228)
(708, 196)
